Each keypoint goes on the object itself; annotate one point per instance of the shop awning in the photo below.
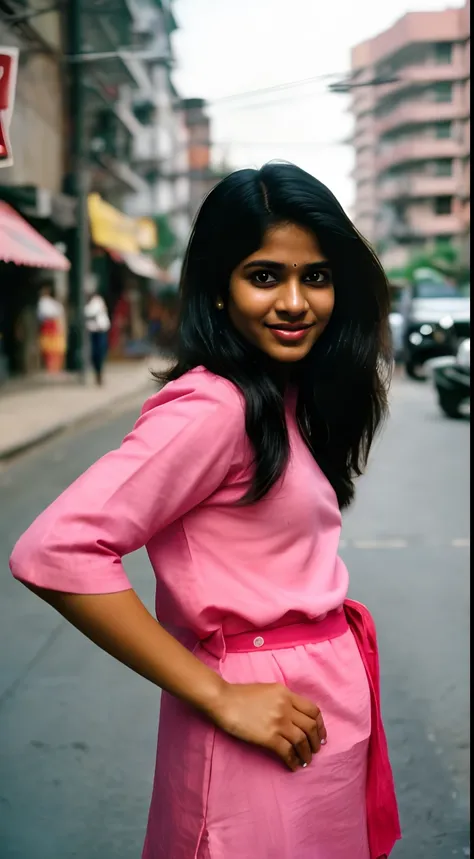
(21, 244)
(140, 264)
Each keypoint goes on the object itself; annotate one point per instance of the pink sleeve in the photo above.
(177, 455)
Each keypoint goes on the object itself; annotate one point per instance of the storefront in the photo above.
(27, 259)
(123, 274)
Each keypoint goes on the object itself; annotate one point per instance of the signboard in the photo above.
(8, 74)
(113, 230)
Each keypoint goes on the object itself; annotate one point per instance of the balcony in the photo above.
(363, 100)
(418, 225)
(419, 112)
(417, 187)
(363, 172)
(429, 225)
(366, 194)
(421, 149)
(429, 73)
(365, 159)
(152, 146)
(363, 139)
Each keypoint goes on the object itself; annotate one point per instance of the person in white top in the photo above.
(52, 329)
(98, 325)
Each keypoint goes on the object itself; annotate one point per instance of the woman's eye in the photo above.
(319, 276)
(263, 278)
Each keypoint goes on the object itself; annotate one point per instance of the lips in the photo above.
(289, 333)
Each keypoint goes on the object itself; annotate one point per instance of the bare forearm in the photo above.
(268, 715)
(120, 624)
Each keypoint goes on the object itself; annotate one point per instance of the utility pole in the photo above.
(79, 188)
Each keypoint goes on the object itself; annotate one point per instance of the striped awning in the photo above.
(21, 244)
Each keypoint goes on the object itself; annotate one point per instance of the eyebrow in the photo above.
(279, 266)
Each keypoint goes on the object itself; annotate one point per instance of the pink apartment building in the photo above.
(412, 134)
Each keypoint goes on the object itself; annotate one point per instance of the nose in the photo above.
(291, 298)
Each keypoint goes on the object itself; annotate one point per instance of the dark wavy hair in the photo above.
(343, 382)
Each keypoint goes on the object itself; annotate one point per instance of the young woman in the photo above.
(270, 742)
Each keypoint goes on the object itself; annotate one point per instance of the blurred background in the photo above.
(116, 118)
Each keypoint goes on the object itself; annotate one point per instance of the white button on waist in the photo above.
(258, 641)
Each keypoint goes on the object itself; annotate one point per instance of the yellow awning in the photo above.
(113, 230)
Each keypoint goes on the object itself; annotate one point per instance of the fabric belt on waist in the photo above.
(330, 626)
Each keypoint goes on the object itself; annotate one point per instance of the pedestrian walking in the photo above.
(271, 742)
(98, 325)
(52, 329)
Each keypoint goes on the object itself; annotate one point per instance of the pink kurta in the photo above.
(222, 569)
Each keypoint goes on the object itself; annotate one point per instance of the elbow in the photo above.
(32, 560)
(23, 561)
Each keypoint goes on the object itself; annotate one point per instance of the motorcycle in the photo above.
(451, 376)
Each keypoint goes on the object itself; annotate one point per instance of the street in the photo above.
(79, 731)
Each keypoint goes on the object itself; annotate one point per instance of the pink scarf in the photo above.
(382, 811)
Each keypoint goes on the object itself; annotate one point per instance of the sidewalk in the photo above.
(33, 410)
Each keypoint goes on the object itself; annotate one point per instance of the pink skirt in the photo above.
(215, 797)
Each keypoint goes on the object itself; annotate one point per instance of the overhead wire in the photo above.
(275, 88)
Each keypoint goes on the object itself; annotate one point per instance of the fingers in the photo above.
(304, 705)
(323, 734)
(300, 743)
(310, 728)
(286, 751)
(307, 708)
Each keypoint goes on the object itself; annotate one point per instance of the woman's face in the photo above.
(281, 297)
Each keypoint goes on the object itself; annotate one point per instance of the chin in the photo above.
(289, 354)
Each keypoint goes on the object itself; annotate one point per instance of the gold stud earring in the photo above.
(220, 304)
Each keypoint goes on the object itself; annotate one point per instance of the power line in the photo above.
(342, 85)
(275, 88)
(273, 102)
(315, 144)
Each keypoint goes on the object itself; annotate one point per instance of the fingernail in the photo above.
(323, 742)
(304, 766)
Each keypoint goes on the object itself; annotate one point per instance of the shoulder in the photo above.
(200, 393)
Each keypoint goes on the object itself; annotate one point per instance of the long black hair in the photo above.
(342, 383)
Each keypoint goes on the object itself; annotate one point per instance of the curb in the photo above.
(64, 424)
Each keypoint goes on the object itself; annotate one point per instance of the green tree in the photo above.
(444, 261)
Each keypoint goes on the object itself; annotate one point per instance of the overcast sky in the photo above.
(225, 47)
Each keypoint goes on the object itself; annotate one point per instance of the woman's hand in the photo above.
(269, 715)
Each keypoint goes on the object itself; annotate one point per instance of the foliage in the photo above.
(444, 260)
(167, 241)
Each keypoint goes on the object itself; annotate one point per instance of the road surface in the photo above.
(79, 731)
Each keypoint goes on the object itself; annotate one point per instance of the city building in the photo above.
(109, 166)
(202, 176)
(172, 148)
(410, 88)
(36, 214)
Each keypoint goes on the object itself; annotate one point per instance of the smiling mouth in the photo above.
(289, 333)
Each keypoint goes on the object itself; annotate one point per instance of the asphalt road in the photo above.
(78, 730)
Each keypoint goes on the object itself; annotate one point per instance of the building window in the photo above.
(443, 53)
(443, 91)
(443, 130)
(443, 205)
(443, 167)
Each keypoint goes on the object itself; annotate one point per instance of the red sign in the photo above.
(8, 73)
